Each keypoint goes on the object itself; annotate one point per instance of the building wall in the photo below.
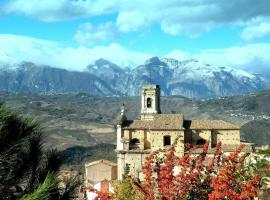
(230, 137)
(227, 137)
(99, 172)
(135, 162)
(154, 139)
(157, 139)
(121, 163)
(198, 135)
(126, 134)
(114, 173)
(140, 135)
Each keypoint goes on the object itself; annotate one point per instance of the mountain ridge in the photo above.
(190, 78)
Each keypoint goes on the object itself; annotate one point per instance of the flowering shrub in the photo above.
(102, 195)
(197, 177)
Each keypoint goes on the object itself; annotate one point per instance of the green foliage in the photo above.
(126, 171)
(46, 191)
(76, 156)
(20, 151)
(262, 164)
(127, 190)
(25, 167)
(70, 189)
(266, 151)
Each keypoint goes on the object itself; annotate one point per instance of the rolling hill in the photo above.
(84, 120)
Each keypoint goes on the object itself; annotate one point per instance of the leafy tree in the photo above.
(127, 189)
(27, 170)
(196, 177)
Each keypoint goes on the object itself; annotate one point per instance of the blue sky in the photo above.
(74, 33)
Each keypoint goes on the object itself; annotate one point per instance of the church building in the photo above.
(155, 130)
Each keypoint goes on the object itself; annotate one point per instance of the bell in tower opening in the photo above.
(150, 101)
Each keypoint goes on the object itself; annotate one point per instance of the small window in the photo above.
(167, 140)
(134, 141)
(149, 102)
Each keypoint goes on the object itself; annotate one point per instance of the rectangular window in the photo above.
(167, 140)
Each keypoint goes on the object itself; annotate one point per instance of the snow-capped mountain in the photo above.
(195, 79)
(190, 78)
(30, 78)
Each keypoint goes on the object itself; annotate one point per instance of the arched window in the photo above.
(149, 102)
(167, 140)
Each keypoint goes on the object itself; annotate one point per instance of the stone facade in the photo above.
(100, 170)
(153, 131)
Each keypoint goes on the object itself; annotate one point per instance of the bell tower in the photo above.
(150, 104)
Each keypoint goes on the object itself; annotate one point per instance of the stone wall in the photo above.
(135, 162)
(229, 137)
(154, 140)
(157, 140)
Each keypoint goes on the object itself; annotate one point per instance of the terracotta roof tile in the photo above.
(209, 124)
(177, 122)
(160, 122)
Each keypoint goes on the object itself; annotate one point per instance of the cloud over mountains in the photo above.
(98, 25)
(21, 48)
(190, 17)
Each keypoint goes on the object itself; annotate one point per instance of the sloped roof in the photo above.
(107, 162)
(177, 122)
(160, 122)
(209, 125)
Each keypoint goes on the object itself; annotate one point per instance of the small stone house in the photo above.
(153, 130)
(100, 170)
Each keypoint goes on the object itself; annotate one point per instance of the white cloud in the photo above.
(257, 28)
(175, 17)
(248, 56)
(89, 34)
(179, 55)
(20, 48)
(252, 57)
(14, 48)
(56, 10)
(172, 29)
(131, 21)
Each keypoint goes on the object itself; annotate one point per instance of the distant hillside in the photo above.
(84, 120)
(189, 78)
(254, 108)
